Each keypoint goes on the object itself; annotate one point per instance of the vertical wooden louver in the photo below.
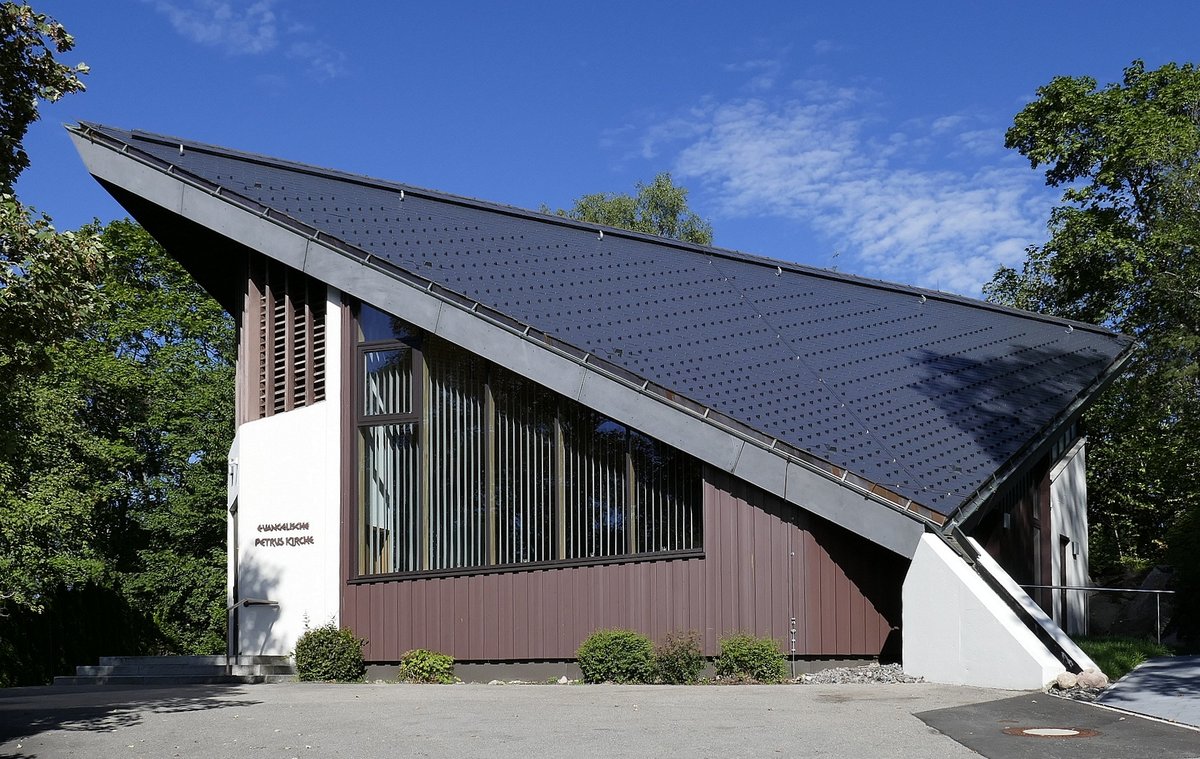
(286, 310)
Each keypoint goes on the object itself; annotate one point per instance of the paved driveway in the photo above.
(497, 722)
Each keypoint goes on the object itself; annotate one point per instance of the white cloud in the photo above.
(324, 61)
(251, 28)
(765, 72)
(824, 47)
(892, 202)
(238, 28)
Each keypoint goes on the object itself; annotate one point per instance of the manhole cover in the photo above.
(1051, 732)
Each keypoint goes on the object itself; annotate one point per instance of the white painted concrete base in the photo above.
(958, 631)
(285, 479)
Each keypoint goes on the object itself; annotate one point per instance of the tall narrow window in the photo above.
(392, 538)
(466, 465)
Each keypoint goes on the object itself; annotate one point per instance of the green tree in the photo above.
(29, 74)
(659, 208)
(117, 478)
(1123, 252)
(156, 365)
(47, 287)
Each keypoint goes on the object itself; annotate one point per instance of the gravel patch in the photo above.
(1077, 693)
(871, 673)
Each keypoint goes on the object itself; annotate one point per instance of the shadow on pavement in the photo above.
(1166, 687)
(28, 711)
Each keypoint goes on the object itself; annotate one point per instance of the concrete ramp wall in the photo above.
(957, 630)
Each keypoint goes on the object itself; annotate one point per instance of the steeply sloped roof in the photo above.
(925, 393)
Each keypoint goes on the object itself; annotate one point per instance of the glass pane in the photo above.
(387, 381)
(597, 506)
(668, 496)
(390, 487)
(374, 324)
(457, 430)
(524, 470)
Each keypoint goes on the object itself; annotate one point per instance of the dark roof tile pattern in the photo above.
(924, 393)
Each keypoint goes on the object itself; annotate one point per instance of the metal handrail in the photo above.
(231, 630)
(1158, 594)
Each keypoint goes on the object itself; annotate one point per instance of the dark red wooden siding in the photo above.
(764, 560)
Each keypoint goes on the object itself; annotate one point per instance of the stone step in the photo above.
(182, 669)
(170, 680)
(150, 661)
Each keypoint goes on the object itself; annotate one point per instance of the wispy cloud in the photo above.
(888, 200)
(764, 71)
(324, 61)
(238, 28)
(825, 47)
(251, 28)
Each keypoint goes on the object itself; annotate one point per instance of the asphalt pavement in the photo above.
(374, 721)
(1166, 687)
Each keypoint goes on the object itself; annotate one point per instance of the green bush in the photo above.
(678, 659)
(326, 654)
(617, 656)
(749, 658)
(423, 666)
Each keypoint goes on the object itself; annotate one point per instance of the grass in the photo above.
(1116, 656)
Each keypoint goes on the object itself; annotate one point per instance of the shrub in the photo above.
(678, 659)
(747, 657)
(618, 656)
(326, 653)
(423, 666)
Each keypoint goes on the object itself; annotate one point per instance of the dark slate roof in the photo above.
(926, 393)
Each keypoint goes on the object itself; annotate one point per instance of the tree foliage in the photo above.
(659, 208)
(117, 408)
(29, 74)
(119, 468)
(1123, 252)
(117, 477)
(47, 288)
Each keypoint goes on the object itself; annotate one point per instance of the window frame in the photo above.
(418, 416)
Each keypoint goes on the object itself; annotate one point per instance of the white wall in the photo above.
(957, 630)
(1068, 519)
(285, 473)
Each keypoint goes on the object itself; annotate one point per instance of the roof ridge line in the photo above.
(517, 211)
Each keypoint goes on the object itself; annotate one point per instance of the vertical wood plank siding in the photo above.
(843, 590)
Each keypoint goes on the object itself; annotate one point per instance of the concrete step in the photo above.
(150, 661)
(183, 670)
(180, 669)
(165, 680)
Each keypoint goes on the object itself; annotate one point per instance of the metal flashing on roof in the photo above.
(916, 399)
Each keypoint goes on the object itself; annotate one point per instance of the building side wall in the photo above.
(285, 474)
(1069, 559)
(765, 561)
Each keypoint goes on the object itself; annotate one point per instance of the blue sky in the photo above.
(863, 136)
